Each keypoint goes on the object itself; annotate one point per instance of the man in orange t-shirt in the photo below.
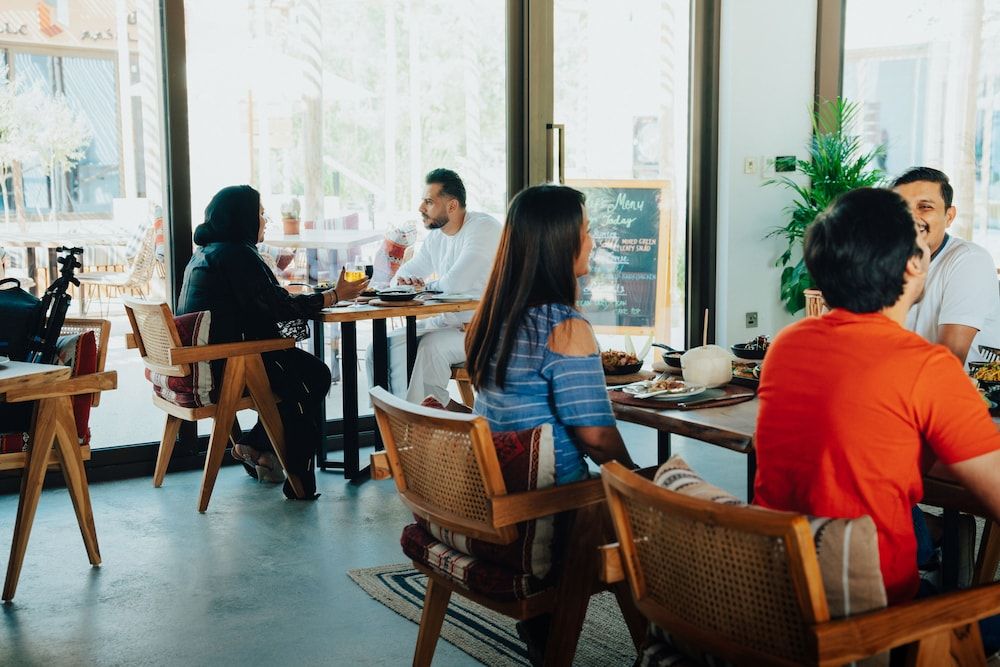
(853, 407)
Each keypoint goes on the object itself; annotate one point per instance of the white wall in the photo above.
(766, 84)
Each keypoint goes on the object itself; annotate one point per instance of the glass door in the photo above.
(620, 110)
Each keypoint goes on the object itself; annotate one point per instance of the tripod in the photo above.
(55, 304)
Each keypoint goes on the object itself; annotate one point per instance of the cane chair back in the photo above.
(156, 334)
(445, 466)
(741, 582)
(102, 333)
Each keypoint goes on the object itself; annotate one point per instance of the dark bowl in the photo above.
(673, 359)
(623, 370)
(743, 352)
(991, 387)
(396, 296)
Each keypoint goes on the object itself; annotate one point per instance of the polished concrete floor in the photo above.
(256, 580)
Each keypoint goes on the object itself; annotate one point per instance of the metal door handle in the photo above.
(549, 129)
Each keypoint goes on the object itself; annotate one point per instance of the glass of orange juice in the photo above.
(355, 270)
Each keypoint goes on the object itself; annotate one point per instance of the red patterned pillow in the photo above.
(79, 352)
(196, 389)
(527, 462)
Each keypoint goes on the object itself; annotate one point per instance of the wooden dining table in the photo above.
(348, 315)
(50, 240)
(731, 427)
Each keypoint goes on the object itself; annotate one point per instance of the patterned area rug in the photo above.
(488, 637)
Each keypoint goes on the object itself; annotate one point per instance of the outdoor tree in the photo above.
(15, 146)
(59, 136)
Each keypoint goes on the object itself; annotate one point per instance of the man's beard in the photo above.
(434, 223)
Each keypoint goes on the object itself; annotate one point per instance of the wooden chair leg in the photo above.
(967, 646)
(465, 390)
(636, 622)
(75, 475)
(233, 382)
(575, 588)
(435, 606)
(989, 555)
(260, 390)
(931, 651)
(44, 430)
(170, 431)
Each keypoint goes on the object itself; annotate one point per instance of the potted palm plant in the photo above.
(836, 164)
(290, 217)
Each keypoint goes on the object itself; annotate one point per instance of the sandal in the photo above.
(262, 466)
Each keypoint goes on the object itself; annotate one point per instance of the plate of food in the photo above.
(987, 374)
(616, 362)
(663, 389)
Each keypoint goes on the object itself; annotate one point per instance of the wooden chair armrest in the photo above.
(85, 384)
(130, 342)
(871, 633)
(517, 507)
(611, 569)
(195, 353)
(380, 466)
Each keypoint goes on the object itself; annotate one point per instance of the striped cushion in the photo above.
(197, 389)
(474, 574)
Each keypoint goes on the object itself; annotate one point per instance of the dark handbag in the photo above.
(21, 317)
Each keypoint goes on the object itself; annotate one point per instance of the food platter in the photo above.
(672, 389)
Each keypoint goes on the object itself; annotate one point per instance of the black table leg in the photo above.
(411, 345)
(349, 389)
(380, 363)
(317, 337)
(949, 551)
(662, 447)
(751, 474)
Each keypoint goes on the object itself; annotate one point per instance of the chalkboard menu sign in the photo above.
(627, 284)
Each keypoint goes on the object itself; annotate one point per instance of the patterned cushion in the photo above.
(847, 550)
(474, 574)
(79, 352)
(527, 462)
(196, 389)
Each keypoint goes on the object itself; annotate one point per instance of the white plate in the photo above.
(3, 360)
(455, 297)
(642, 391)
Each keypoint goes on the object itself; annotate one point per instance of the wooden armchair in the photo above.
(461, 377)
(53, 430)
(753, 594)
(244, 386)
(446, 470)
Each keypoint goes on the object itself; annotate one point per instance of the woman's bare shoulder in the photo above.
(573, 337)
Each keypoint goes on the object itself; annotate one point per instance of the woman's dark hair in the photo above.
(931, 175)
(451, 184)
(233, 215)
(857, 249)
(534, 265)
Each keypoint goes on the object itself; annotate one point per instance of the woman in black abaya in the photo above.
(227, 277)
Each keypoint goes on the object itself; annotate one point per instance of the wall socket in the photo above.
(751, 320)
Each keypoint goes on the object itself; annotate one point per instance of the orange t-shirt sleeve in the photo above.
(953, 418)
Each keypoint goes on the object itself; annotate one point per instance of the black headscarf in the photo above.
(232, 215)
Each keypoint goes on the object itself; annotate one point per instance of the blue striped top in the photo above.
(544, 387)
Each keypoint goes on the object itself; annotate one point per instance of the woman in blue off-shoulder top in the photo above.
(532, 356)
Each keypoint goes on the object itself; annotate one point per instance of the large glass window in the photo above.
(621, 93)
(927, 77)
(338, 109)
(81, 164)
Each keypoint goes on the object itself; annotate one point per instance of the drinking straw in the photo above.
(704, 335)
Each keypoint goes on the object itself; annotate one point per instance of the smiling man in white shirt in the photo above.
(960, 307)
(456, 257)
